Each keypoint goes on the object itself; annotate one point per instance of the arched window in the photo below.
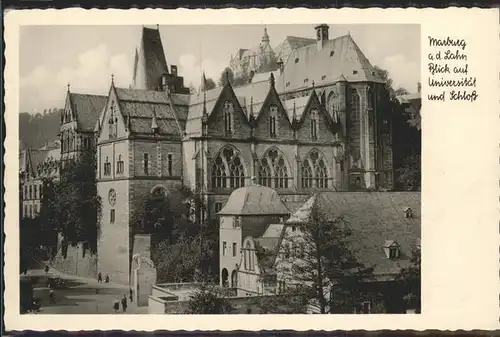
(314, 124)
(332, 107)
(314, 171)
(228, 170)
(273, 117)
(250, 259)
(355, 103)
(307, 176)
(228, 117)
(273, 170)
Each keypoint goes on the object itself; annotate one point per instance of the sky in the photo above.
(51, 57)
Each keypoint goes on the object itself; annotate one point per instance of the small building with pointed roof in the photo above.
(252, 219)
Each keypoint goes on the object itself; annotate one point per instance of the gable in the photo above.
(240, 125)
(262, 123)
(112, 109)
(325, 127)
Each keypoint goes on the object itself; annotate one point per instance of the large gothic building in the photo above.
(315, 121)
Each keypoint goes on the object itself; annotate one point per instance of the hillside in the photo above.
(37, 130)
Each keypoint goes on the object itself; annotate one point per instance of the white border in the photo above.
(460, 176)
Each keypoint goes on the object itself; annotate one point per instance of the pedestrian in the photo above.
(99, 277)
(46, 269)
(107, 279)
(124, 302)
(116, 305)
(52, 297)
(131, 297)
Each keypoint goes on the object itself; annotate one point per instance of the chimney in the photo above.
(173, 70)
(321, 35)
(419, 87)
(164, 81)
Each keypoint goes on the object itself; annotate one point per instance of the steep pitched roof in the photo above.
(290, 43)
(252, 96)
(140, 106)
(87, 109)
(340, 56)
(150, 62)
(254, 200)
(374, 219)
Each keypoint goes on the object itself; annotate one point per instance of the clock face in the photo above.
(112, 197)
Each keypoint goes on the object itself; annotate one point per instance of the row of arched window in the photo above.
(32, 192)
(228, 170)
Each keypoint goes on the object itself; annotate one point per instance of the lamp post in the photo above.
(339, 153)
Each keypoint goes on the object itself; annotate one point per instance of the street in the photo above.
(78, 295)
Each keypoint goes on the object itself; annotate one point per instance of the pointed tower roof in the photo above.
(150, 62)
(265, 37)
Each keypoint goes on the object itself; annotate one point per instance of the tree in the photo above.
(209, 84)
(185, 260)
(75, 208)
(410, 277)
(410, 174)
(208, 299)
(289, 301)
(318, 262)
(226, 75)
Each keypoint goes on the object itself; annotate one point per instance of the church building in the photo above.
(312, 118)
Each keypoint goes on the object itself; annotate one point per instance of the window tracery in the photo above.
(314, 172)
(273, 170)
(228, 170)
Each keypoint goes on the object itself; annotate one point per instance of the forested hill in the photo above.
(35, 130)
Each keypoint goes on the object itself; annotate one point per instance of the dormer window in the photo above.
(331, 53)
(297, 60)
(408, 212)
(323, 77)
(391, 249)
(354, 72)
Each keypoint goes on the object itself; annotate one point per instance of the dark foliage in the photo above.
(208, 300)
(37, 130)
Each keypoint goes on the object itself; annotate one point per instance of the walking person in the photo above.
(107, 279)
(131, 297)
(52, 297)
(124, 303)
(116, 305)
(99, 278)
(46, 269)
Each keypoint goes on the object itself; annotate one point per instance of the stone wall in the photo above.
(78, 261)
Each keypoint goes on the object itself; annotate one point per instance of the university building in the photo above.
(314, 121)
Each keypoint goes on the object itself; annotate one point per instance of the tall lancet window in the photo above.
(112, 122)
(273, 117)
(228, 170)
(228, 117)
(314, 124)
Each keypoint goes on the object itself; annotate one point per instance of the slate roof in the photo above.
(252, 95)
(374, 218)
(154, 63)
(299, 103)
(323, 67)
(254, 200)
(87, 109)
(294, 42)
(141, 105)
(264, 77)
